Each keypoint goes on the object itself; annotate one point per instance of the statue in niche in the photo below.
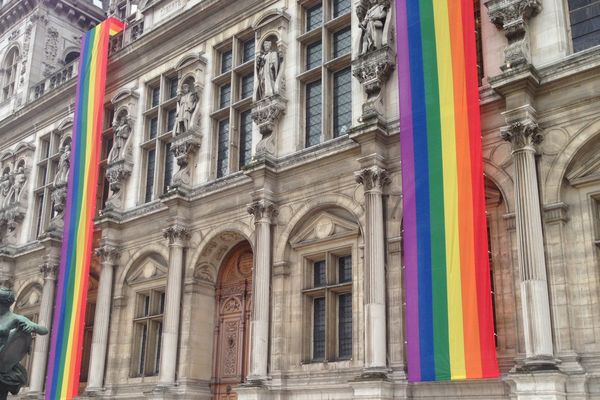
(62, 174)
(4, 186)
(186, 105)
(15, 343)
(122, 130)
(14, 193)
(372, 15)
(268, 71)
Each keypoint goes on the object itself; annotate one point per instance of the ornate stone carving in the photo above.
(121, 147)
(263, 211)
(187, 100)
(108, 254)
(511, 16)
(183, 148)
(269, 71)
(522, 134)
(48, 270)
(266, 113)
(176, 234)
(372, 70)
(374, 17)
(116, 174)
(372, 178)
(13, 198)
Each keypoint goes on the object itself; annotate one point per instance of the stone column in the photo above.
(177, 236)
(523, 136)
(374, 179)
(264, 211)
(40, 353)
(108, 257)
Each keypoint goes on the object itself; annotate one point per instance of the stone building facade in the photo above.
(249, 214)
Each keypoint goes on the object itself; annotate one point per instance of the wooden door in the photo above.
(233, 310)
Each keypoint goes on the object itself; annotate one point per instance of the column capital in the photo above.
(523, 135)
(108, 254)
(372, 178)
(263, 211)
(176, 234)
(48, 270)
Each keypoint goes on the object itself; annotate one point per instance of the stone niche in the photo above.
(187, 135)
(269, 99)
(15, 170)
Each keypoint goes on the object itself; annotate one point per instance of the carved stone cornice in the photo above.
(177, 234)
(511, 16)
(523, 135)
(49, 270)
(264, 211)
(108, 254)
(372, 178)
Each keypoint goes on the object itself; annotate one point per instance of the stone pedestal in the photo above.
(537, 386)
(183, 148)
(117, 173)
(265, 113)
(372, 70)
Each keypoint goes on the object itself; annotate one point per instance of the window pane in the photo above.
(158, 344)
(155, 96)
(153, 128)
(223, 148)
(585, 23)
(342, 102)
(314, 17)
(313, 55)
(345, 325)
(245, 138)
(342, 42)
(248, 50)
(143, 339)
(313, 113)
(226, 61)
(345, 269)
(247, 85)
(319, 274)
(168, 168)
(224, 95)
(150, 176)
(171, 114)
(40, 214)
(340, 7)
(319, 329)
(173, 87)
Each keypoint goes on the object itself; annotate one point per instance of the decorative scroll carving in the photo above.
(176, 234)
(108, 254)
(373, 178)
(263, 211)
(48, 270)
(372, 70)
(522, 134)
(266, 113)
(183, 148)
(512, 16)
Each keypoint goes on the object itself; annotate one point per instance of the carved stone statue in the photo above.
(372, 15)
(15, 340)
(4, 187)
(62, 175)
(122, 130)
(268, 71)
(186, 105)
(14, 193)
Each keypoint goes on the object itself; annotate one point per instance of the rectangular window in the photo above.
(245, 138)
(342, 102)
(585, 23)
(247, 86)
(319, 274)
(248, 50)
(345, 269)
(342, 42)
(313, 113)
(340, 7)
(314, 17)
(168, 168)
(318, 329)
(171, 114)
(345, 326)
(313, 55)
(150, 176)
(147, 334)
(155, 100)
(153, 128)
(173, 82)
(225, 95)
(223, 148)
(226, 61)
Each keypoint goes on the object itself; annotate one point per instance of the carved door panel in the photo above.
(234, 287)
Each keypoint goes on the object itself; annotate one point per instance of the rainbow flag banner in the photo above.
(449, 326)
(64, 363)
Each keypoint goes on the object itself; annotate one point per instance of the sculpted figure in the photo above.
(62, 174)
(372, 15)
(4, 187)
(268, 68)
(186, 104)
(121, 134)
(15, 338)
(14, 193)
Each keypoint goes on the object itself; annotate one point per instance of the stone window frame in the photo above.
(237, 105)
(569, 12)
(329, 250)
(10, 68)
(328, 67)
(47, 166)
(126, 10)
(161, 141)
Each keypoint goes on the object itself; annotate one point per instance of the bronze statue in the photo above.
(15, 342)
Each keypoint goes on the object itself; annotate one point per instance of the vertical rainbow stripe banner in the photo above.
(64, 363)
(449, 321)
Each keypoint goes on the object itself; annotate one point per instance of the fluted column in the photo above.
(40, 353)
(537, 327)
(374, 179)
(264, 211)
(108, 257)
(177, 236)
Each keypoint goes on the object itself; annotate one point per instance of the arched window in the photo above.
(71, 56)
(9, 66)
(585, 23)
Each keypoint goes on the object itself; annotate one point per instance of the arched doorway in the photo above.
(232, 327)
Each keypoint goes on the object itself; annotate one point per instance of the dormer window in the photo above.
(11, 62)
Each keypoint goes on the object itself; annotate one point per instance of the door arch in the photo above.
(232, 326)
